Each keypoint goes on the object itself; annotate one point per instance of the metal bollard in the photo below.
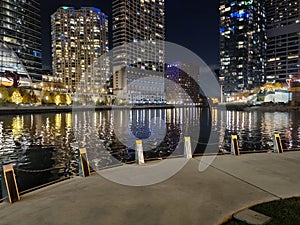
(11, 183)
(84, 165)
(187, 148)
(139, 153)
(277, 144)
(234, 145)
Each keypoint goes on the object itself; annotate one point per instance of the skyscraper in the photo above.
(283, 31)
(182, 85)
(242, 44)
(20, 29)
(138, 49)
(79, 38)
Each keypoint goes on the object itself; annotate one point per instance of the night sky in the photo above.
(190, 23)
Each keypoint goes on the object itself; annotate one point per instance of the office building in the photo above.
(20, 29)
(182, 84)
(138, 50)
(79, 39)
(242, 44)
(283, 32)
(9, 61)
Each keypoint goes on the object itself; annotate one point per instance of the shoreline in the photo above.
(5, 110)
(262, 108)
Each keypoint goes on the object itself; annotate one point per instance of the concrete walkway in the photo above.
(190, 197)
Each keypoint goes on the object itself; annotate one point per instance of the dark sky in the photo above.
(190, 23)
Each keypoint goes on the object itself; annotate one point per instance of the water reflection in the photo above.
(38, 142)
(256, 129)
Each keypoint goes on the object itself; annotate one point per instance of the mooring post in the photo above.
(187, 148)
(277, 144)
(84, 165)
(139, 152)
(234, 145)
(11, 183)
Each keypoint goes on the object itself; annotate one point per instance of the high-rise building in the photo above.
(242, 44)
(79, 39)
(20, 29)
(182, 84)
(138, 50)
(283, 32)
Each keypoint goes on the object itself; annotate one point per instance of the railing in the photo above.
(67, 176)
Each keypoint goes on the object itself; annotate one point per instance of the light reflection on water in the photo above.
(49, 140)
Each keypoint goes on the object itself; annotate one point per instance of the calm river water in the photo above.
(42, 146)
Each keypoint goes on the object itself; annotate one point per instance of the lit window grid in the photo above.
(136, 22)
(242, 45)
(77, 35)
(19, 18)
(283, 19)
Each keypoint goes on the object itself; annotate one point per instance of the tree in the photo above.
(63, 99)
(68, 99)
(26, 98)
(16, 97)
(47, 98)
(4, 95)
(57, 99)
(22, 90)
(34, 98)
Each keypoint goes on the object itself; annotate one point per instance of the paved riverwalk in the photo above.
(190, 197)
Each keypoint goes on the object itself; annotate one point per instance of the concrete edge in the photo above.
(229, 217)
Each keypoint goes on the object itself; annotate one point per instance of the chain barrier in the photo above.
(38, 171)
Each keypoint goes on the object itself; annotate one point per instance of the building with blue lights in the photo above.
(20, 29)
(182, 83)
(242, 44)
(283, 32)
(79, 39)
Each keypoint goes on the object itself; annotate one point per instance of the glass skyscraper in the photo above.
(79, 39)
(283, 31)
(242, 44)
(20, 29)
(138, 49)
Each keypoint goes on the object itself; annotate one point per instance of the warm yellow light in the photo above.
(68, 100)
(16, 97)
(57, 99)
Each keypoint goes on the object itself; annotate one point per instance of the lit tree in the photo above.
(63, 99)
(26, 97)
(4, 95)
(68, 99)
(16, 97)
(34, 98)
(47, 98)
(57, 99)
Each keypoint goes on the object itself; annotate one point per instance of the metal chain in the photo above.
(38, 171)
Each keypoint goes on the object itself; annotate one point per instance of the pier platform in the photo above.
(229, 184)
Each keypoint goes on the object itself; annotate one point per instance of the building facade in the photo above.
(9, 61)
(20, 29)
(182, 84)
(138, 50)
(283, 32)
(79, 40)
(242, 44)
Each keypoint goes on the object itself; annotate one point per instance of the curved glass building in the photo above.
(20, 28)
(9, 61)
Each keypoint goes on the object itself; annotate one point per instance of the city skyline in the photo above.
(196, 28)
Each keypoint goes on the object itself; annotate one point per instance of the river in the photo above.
(42, 146)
